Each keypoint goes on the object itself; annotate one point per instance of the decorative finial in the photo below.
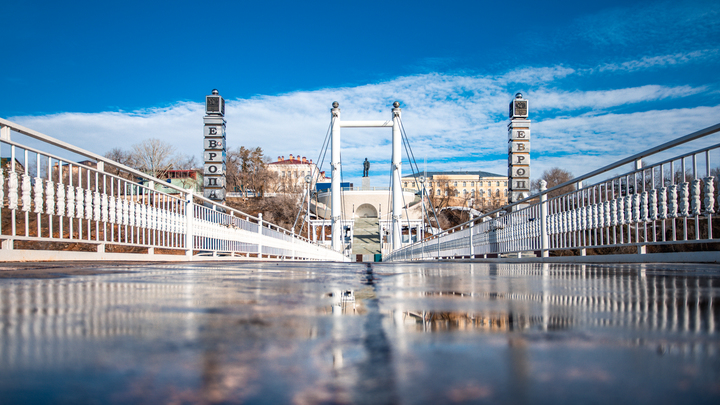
(518, 95)
(396, 104)
(336, 104)
(215, 92)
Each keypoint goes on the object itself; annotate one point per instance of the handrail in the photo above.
(98, 158)
(654, 150)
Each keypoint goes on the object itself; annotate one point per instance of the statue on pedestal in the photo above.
(366, 168)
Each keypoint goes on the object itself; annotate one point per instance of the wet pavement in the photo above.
(351, 333)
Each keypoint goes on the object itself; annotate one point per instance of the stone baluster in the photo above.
(125, 211)
(152, 214)
(49, 197)
(608, 212)
(662, 203)
(628, 209)
(653, 202)
(636, 207)
(79, 203)
(673, 205)
(140, 213)
(709, 195)
(601, 215)
(684, 208)
(695, 208)
(112, 209)
(12, 190)
(2, 187)
(88, 204)
(38, 189)
(60, 199)
(595, 221)
(614, 212)
(26, 189)
(621, 210)
(97, 207)
(70, 201)
(105, 204)
(644, 207)
(583, 218)
(131, 212)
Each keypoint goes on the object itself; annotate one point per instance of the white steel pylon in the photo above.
(337, 123)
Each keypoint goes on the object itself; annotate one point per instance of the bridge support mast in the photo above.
(336, 208)
(396, 177)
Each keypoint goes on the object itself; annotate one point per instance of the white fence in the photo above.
(660, 207)
(54, 208)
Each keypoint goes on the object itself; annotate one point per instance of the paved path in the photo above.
(310, 333)
(367, 236)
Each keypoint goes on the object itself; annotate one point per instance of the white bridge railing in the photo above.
(658, 207)
(55, 208)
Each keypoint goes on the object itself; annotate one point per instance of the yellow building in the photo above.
(477, 188)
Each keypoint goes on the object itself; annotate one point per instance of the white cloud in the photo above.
(659, 61)
(546, 99)
(456, 122)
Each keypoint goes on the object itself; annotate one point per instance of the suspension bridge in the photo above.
(658, 205)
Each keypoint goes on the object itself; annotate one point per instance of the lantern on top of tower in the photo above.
(518, 150)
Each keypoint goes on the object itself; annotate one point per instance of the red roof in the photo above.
(290, 162)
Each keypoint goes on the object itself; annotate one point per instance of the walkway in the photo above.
(366, 240)
(355, 333)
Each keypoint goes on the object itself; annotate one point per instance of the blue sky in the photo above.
(604, 79)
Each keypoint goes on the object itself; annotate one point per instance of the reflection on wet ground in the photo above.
(351, 333)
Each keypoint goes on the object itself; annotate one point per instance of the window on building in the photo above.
(456, 184)
(405, 184)
(498, 184)
(445, 193)
(505, 183)
(283, 174)
(457, 192)
(472, 184)
(438, 192)
(497, 193)
(464, 192)
(472, 193)
(505, 192)
(464, 184)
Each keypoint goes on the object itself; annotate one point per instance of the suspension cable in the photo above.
(323, 151)
(411, 158)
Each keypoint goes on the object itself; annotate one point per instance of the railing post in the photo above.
(292, 252)
(544, 242)
(641, 249)
(5, 133)
(583, 251)
(472, 248)
(189, 221)
(260, 221)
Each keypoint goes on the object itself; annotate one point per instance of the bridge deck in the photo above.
(334, 332)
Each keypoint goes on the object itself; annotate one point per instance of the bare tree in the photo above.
(153, 156)
(247, 170)
(554, 177)
(120, 156)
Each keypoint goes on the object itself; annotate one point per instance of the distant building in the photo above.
(6, 163)
(480, 187)
(290, 174)
(187, 179)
